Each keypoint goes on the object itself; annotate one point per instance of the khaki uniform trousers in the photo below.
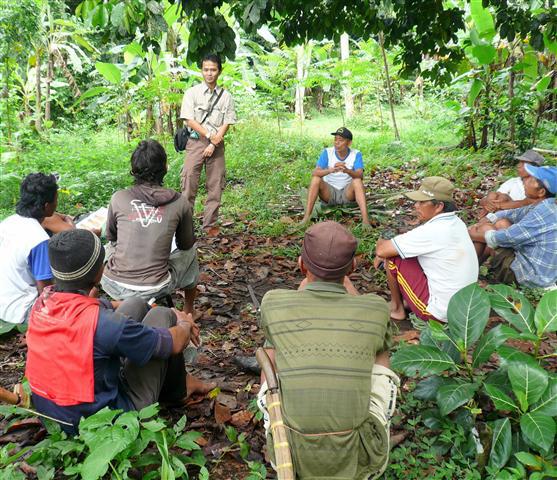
(214, 173)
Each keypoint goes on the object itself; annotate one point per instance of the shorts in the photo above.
(338, 196)
(413, 285)
(184, 273)
(500, 268)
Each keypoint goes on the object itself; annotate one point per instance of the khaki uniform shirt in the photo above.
(196, 103)
(325, 343)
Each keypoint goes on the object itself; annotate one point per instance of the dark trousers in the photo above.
(159, 379)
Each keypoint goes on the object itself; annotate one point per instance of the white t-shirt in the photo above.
(447, 256)
(329, 158)
(19, 239)
(514, 188)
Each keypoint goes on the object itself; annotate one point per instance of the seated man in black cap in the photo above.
(331, 351)
(76, 343)
(338, 176)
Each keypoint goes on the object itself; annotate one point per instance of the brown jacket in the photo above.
(141, 223)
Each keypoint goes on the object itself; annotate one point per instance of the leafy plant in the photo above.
(114, 441)
(520, 415)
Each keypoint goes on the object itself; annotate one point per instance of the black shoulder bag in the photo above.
(182, 135)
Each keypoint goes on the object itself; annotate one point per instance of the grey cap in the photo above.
(531, 156)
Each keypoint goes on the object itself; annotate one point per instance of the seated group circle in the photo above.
(328, 343)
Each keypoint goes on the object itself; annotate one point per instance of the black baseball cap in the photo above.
(343, 132)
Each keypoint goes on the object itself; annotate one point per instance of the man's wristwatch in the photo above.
(208, 135)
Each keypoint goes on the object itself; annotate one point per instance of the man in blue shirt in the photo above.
(523, 241)
(83, 355)
(338, 176)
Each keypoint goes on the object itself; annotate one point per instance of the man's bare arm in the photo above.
(195, 125)
(41, 284)
(385, 248)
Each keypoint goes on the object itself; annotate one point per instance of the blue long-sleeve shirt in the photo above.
(533, 237)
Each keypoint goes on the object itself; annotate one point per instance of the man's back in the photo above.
(325, 344)
(142, 222)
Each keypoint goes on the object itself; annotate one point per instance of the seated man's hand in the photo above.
(477, 231)
(340, 167)
(377, 261)
(186, 320)
(492, 206)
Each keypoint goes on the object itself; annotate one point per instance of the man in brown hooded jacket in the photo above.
(141, 225)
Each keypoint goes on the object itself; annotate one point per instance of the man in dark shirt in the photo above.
(76, 343)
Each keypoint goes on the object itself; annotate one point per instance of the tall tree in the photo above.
(346, 90)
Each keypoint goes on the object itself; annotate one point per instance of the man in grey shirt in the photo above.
(208, 110)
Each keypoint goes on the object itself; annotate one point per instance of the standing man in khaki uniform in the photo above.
(208, 110)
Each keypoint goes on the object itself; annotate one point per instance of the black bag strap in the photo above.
(212, 106)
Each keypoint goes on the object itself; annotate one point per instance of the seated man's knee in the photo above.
(502, 224)
(161, 317)
(134, 307)
(315, 180)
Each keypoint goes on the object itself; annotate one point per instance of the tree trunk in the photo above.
(388, 78)
(38, 93)
(300, 89)
(6, 95)
(66, 71)
(512, 121)
(346, 90)
(149, 117)
(159, 121)
(49, 78)
(319, 93)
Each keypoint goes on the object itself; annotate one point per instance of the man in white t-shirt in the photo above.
(338, 176)
(511, 194)
(429, 264)
(24, 248)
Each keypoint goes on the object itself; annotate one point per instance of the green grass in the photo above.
(265, 170)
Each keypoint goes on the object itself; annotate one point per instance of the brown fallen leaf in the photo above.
(222, 413)
(241, 418)
(213, 231)
(408, 336)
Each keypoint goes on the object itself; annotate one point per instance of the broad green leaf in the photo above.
(417, 359)
(513, 306)
(438, 331)
(117, 14)
(427, 389)
(109, 71)
(501, 443)
(528, 459)
(92, 92)
(490, 342)
(467, 314)
(149, 411)
(154, 425)
(545, 317)
(6, 327)
(530, 61)
(101, 418)
(544, 82)
(483, 20)
(500, 399)
(427, 340)
(475, 89)
(547, 404)
(485, 54)
(538, 429)
(510, 354)
(130, 425)
(550, 44)
(135, 49)
(528, 383)
(187, 441)
(450, 397)
(95, 464)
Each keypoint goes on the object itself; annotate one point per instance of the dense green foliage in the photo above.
(509, 413)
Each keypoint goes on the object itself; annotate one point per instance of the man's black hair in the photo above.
(212, 57)
(548, 194)
(36, 190)
(148, 162)
(447, 206)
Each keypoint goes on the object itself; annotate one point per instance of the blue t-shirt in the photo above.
(38, 262)
(323, 161)
(116, 337)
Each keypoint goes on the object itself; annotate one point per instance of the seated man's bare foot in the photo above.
(195, 386)
(398, 313)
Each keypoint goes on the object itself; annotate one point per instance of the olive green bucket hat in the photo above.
(433, 188)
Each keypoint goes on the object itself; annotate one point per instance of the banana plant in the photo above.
(519, 399)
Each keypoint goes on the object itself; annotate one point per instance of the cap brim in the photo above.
(418, 196)
(531, 169)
